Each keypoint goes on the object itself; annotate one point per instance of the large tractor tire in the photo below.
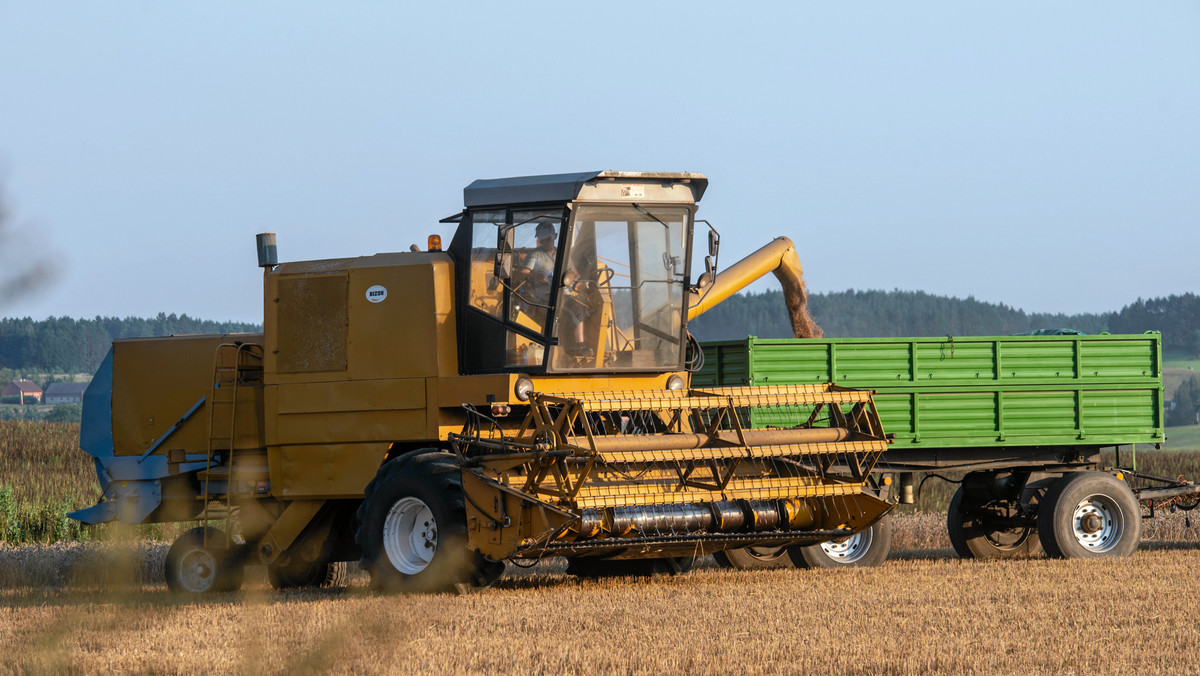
(869, 547)
(1089, 515)
(297, 574)
(198, 562)
(975, 534)
(754, 558)
(413, 528)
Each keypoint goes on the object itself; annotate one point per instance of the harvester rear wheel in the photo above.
(1089, 515)
(198, 562)
(869, 547)
(754, 558)
(413, 527)
(296, 574)
(975, 535)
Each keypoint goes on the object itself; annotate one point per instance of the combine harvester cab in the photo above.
(523, 394)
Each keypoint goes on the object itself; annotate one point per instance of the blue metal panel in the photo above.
(101, 513)
(95, 434)
(129, 468)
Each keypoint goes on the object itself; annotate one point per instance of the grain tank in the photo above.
(522, 394)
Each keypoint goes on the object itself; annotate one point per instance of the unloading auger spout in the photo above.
(778, 257)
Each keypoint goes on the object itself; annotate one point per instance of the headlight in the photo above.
(523, 389)
(675, 383)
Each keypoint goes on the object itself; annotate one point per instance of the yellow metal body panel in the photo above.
(156, 381)
(285, 530)
(410, 333)
(328, 430)
(323, 471)
(347, 411)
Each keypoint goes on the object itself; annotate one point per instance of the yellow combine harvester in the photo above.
(523, 394)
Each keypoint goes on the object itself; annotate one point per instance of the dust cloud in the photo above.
(24, 265)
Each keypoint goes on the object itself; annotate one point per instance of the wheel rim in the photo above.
(1009, 539)
(766, 553)
(1001, 538)
(410, 535)
(197, 570)
(850, 550)
(1097, 523)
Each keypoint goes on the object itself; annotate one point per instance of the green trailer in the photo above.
(1025, 417)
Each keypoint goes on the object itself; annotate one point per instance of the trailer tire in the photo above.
(754, 558)
(192, 567)
(973, 538)
(294, 575)
(868, 547)
(413, 527)
(1089, 515)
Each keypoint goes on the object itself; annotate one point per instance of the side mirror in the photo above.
(504, 253)
(504, 265)
(714, 242)
(709, 268)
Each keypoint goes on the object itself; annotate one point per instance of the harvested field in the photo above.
(911, 615)
(101, 605)
(922, 611)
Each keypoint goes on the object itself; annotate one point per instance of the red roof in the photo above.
(22, 386)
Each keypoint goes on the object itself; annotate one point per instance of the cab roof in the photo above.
(566, 187)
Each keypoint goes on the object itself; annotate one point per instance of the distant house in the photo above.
(26, 389)
(64, 393)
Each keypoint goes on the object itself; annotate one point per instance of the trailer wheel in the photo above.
(194, 567)
(296, 574)
(869, 547)
(1089, 515)
(413, 527)
(975, 535)
(754, 558)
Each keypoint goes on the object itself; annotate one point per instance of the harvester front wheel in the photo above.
(413, 527)
(198, 562)
(754, 558)
(869, 547)
(1089, 515)
(977, 531)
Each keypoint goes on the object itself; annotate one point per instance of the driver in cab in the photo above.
(537, 267)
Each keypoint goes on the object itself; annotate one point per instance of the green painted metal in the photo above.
(952, 392)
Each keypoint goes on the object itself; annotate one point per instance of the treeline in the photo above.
(1178, 317)
(65, 345)
(915, 313)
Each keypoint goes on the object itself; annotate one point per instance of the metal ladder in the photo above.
(232, 364)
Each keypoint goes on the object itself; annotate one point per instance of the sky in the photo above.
(1041, 155)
